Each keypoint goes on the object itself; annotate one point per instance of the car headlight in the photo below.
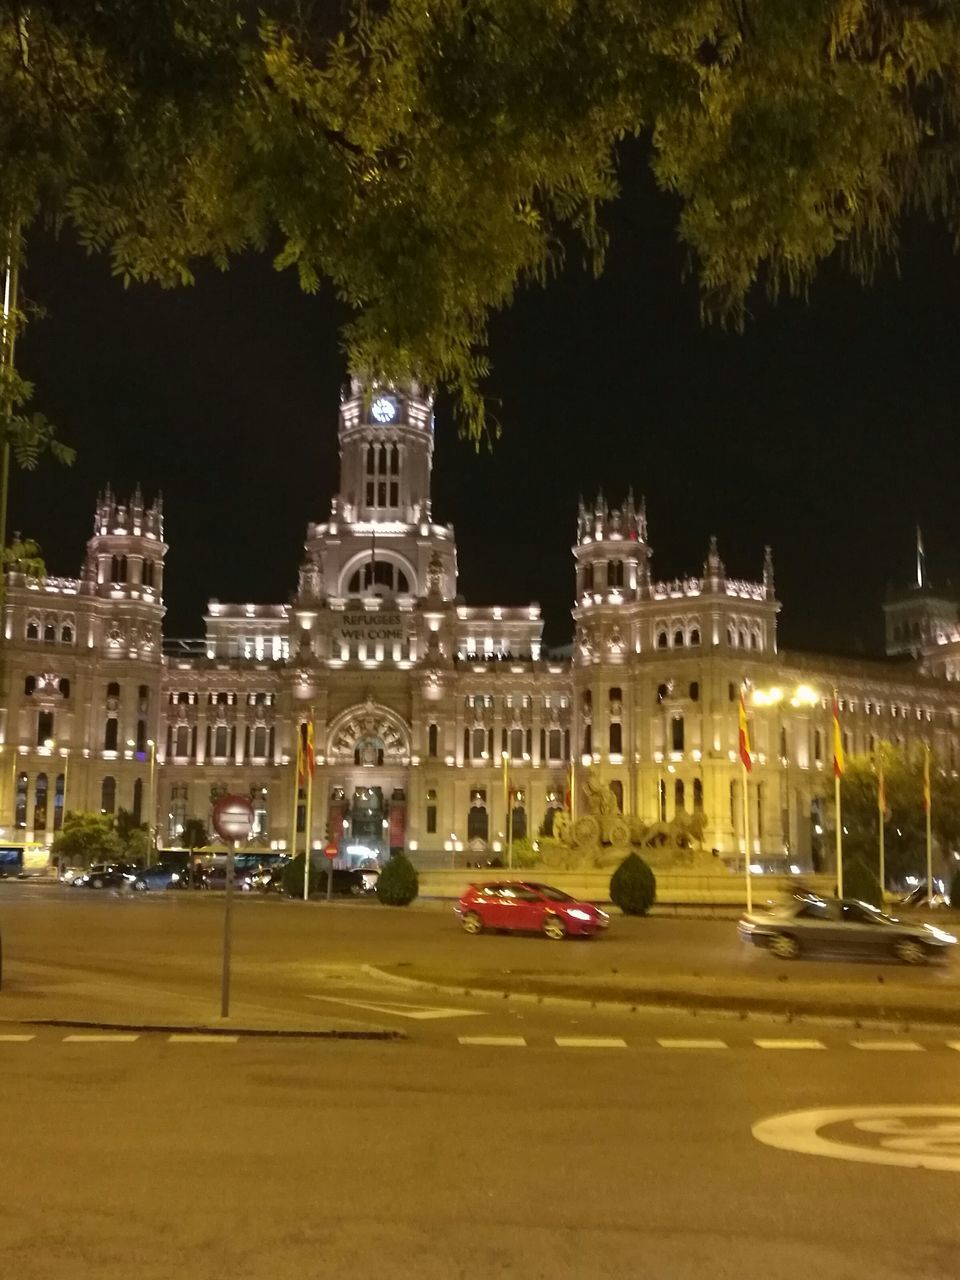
(578, 914)
(175, 876)
(940, 934)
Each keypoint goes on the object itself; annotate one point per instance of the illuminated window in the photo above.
(431, 812)
(108, 795)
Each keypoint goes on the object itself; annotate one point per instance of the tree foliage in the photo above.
(85, 838)
(905, 839)
(398, 884)
(633, 886)
(424, 160)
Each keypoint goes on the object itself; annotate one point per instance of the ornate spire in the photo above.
(768, 572)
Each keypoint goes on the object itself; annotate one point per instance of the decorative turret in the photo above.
(612, 556)
(124, 564)
(386, 452)
(768, 573)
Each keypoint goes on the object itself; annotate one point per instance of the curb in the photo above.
(250, 1033)
(720, 1006)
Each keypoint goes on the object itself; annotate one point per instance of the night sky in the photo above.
(827, 430)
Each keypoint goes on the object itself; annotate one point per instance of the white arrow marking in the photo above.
(421, 1012)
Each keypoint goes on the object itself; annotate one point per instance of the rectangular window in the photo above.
(676, 733)
(431, 812)
(616, 738)
(394, 493)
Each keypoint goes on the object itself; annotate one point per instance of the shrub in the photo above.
(859, 881)
(398, 884)
(293, 877)
(633, 886)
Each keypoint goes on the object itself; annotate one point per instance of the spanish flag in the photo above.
(744, 736)
(838, 765)
(926, 779)
(881, 791)
(311, 757)
(300, 754)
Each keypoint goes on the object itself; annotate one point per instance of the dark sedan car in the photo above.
(145, 879)
(841, 927)
(105, 875)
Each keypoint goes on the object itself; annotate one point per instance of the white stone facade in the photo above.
(416, 696)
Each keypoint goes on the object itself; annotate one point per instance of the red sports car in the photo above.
(530, 907)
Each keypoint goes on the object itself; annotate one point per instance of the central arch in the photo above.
(369, 734)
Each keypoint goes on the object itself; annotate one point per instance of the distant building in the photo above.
(417, 696)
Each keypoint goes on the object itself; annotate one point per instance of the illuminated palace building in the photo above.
(417, 696)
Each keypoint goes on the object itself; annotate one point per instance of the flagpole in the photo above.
(746, 838)
(928, 806)
(881, 806)
(307, 851)
(836, 798)
(296, 796)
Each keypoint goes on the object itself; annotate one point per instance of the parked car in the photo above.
(351, 881)
(156, 877)
(918, 898)
(530, 907)
(105, 875)
(844, 927)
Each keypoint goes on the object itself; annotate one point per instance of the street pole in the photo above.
(505, 758)
(295, 811)
(746, 838)
(232, 846)
(66, 775)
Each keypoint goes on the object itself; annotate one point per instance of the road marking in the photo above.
(953, 1044)
(789, 1044)
(93, 1039)
(18, 1039)
(692, 1044)
(396, 1009)
(911, 1137)
(590, 1042)
(191, 1038)
(889, 1046)
(492, 1040)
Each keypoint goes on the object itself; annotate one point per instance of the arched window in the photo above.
(694, 691)
(40, 803)
(662, 640)
(403, 586)
(33, 629)
(66, 634)
(678, 639)
(21, 806)
(49, 633)
(616, 788)
(732, 636)
(111, 734)
(678, 795)
(477, 820)
(518, 822)
(744, 638)
(693, 639)
(433, 734)
(697, 796)
(137, 811)
(108, 794)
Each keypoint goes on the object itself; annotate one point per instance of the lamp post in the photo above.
(152, 801)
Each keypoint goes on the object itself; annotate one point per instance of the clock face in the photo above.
(383, 409)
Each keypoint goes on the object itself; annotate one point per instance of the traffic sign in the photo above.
(233, 818)
(330, 850)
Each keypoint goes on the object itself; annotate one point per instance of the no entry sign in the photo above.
(233, 818)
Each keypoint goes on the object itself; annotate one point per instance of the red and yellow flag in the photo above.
(881, 791)
(838, 764)
(744, 737)
(926, 779)
(300, 753)
(311, 757)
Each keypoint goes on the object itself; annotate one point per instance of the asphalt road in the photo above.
(437, 1159)
(72, 948)
(491, 1138)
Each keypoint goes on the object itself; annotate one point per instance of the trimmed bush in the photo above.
(293, 877)
(859, 881)
(633, 886)
(398, 884)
